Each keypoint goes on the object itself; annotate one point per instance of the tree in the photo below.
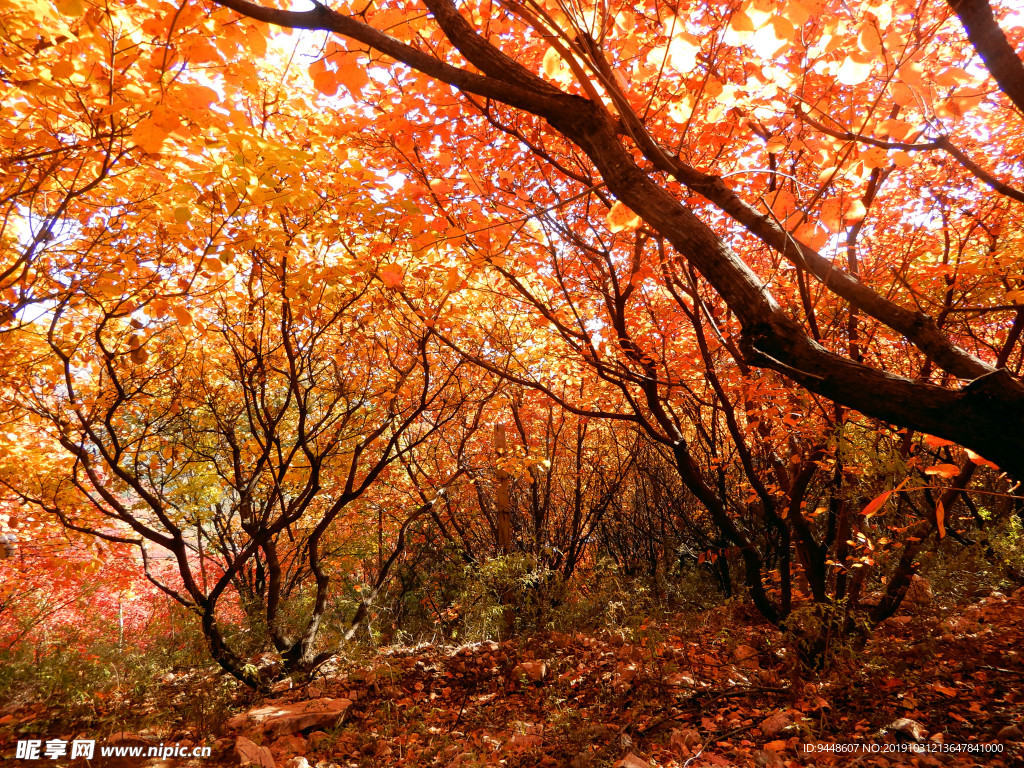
(229, 393)
(750, 229)
(737, 132)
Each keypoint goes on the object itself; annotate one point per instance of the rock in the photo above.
(297, 762)
(289, 745)
(1010, 733)
(746, 657)
(623, 678)
(280, 719)
(525, 741)
(908, 729)
(316, 738)
(919, 592)
(534, 671)
(632, 761)
(684, 738)
(679, 678)
(126, 739)
(779, 724)
(249, 753)
(599, 732)
(767, 758)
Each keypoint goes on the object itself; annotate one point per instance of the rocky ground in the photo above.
(926, 691)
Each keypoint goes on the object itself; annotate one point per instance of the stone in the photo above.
(316, 738)
(684, 740)
(525, 741)
(632, 761)
(599, 732)
(127, 739)
(679, 679)
(779, 724)
(1010, 733)
(250, 753)
(908, 729)
(297, 762)
(746, 657)
(280, 719)
(534, 671)
(289, 745)
(919, 592)
(767, 758)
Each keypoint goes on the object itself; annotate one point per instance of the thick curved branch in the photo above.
(991, 44)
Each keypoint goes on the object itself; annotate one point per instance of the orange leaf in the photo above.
(621, 217)
(352, 74)
(392, 275)
(943, 470)
(855, 212)
(182, 315)
(979, 460)
(326, 82)
(937, 442)
(876, 503)
(940, 519)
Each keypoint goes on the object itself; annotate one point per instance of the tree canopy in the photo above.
(746, 270)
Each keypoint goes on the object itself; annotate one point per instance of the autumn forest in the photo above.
(512, 382)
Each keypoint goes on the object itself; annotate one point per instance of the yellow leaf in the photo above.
(71, 7)
(855, 212)
(853, 71)
(620, 217)
(182, 214)
(682, 52)
(739, 31)
(552, 63)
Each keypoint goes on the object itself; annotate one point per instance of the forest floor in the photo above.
(929, 689)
